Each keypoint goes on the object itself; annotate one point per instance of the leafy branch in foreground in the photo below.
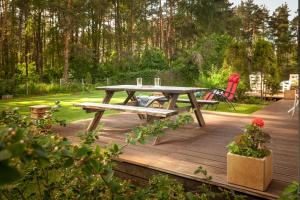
(48, 166)
(141, 133)
(206, 190)
(290, 192)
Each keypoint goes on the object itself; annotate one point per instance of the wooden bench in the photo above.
(161, 99)
(96, 107)
(99, 108)
(200, 101)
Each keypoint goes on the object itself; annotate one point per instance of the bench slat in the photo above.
(140, 110)
(201, 101)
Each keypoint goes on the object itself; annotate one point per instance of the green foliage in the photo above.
(254, 100)
(81, 62)
(290, 192)
(141, 133)
(281, 35)
(265, 63)
(130, 77)
(251, 143)
(162, 187)
(213, 48)
(186, 66)
(7, 86)
(31, 70)
(47, 166)
(153, 59)
(203, 171)
(236, 55)
(43, 88)
(206, 191)
(215, 77)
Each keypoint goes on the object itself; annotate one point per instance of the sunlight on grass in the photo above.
(71, 113)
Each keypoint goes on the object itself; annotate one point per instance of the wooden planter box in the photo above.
(255, 173)
(289, 94)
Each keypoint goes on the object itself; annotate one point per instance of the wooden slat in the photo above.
(199, 101)
(151, 88)
(140, 110)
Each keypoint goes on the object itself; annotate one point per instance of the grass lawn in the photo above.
(71, 113)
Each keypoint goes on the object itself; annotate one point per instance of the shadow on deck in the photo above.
(182, 151)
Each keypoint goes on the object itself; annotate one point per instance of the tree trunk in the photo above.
(131, 40)
(66, 41)
(118, 37)
(38, 45)
(161, 27)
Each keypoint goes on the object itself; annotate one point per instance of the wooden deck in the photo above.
(182, 151)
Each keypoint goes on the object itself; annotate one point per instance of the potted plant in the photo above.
(249, 161)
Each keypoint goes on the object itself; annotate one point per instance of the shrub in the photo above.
(130, 77)
(186, 67)
(153, 59)
(213, 48)
(81, 61)
(290, 192)
(7, 86)
(264, 62)
(39, 165)
(215, 77)
(52, 88)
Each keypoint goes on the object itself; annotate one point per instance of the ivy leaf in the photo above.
(68, 162)
(5, 154)
(17, 149)
(82, 151)
(8, 174)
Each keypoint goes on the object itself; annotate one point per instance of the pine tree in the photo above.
(281, 35)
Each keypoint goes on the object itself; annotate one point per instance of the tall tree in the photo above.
(67, 33)
(280, 33)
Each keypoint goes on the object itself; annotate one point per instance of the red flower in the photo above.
(258, 122)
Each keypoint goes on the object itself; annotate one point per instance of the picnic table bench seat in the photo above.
(157, 112)
(146, 101)
(199, 101)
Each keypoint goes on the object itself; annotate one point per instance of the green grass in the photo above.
(71, 113)
(67, 111)
(240, 108)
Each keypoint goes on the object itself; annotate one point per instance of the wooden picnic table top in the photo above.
(152, 88)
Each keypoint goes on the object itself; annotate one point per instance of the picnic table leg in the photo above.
(196, 109)
(129, 97)
(98, 115)
(171, 106)
(132, 97)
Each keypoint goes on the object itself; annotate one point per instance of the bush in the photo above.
(290, 192)
(42, 165)
(264, 61)
(215, 77)
(81, 61)
(130, 77)
(43, 88)
(213, 48)
(7, 86)
(186, 67)
(153, 59)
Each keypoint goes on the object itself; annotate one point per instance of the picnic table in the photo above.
(170, 92)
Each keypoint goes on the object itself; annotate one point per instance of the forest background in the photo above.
(56, 45)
